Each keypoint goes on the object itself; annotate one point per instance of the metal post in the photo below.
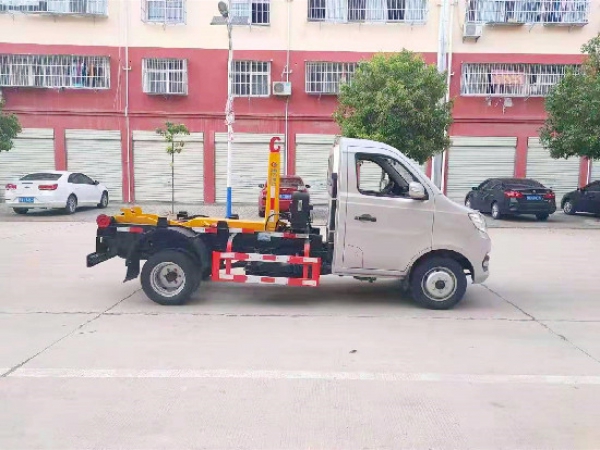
(229, 114)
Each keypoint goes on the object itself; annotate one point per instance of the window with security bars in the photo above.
(55, 71)
(252, 12)
(347, 11)
(163, 11)
(512, 80)
(326, 77)
(251, 78)
(165, 76)
(566, 12)
(76, 7)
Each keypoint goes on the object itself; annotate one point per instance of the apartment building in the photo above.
(91, 80)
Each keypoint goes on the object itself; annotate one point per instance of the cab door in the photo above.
(385, 230)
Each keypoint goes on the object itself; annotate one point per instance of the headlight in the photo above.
(478, 221)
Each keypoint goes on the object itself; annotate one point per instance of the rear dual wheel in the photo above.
(170, 277)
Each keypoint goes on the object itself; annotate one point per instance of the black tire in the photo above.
(447, 270)
(181, 264)
(569, 207)
(103, 200)
(71, 205)
(20, 210)
(261, 213)
(542, 217)
(495, 209)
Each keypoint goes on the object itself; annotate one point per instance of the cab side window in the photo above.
(381, 176)
(594, 187)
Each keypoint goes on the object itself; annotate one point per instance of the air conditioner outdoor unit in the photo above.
(283, 88)
(472, 31)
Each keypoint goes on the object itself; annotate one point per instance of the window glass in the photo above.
(382, 176)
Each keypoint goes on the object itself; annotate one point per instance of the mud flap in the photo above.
(133, 269)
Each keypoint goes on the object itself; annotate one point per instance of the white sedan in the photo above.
(55, 189)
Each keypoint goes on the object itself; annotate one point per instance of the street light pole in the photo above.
(226, 18)
(229, 114)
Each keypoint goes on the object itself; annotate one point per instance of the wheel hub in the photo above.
(168, 279)
(439, 284)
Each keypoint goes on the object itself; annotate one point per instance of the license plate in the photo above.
(285, 196)
(534, 197)
(25, 199)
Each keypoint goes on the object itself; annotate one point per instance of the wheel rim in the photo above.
(495, 210)
(568, 207)
(468, 203)
(167, 279)
(439, 284)
(104, 199)
(71, 204)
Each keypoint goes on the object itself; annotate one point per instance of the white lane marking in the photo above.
(307, 375)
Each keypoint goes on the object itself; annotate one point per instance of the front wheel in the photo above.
(468, 203)
(103, 200)
(20, 210)
(438, 283)
(169, 277)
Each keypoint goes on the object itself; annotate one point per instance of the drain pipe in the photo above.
(127, 68)
(287, 79)
(437, 160)
(450, 31)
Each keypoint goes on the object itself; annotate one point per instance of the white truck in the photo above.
(386, 219)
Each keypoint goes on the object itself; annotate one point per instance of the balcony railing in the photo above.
(518, 12)
(368, 11)
(57, 7)
(511, 80)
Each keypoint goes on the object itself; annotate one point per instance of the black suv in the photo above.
(511, 197)
(585, 200)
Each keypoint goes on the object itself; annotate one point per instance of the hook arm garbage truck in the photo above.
(385, 219)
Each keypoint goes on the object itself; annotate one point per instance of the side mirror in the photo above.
(475, 188)
(416, 191)
(261, 185)
(307, 186)
(96, 182)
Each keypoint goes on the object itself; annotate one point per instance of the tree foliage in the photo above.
(572, 126)
(171, 133)
(399, 100)
(9, 129)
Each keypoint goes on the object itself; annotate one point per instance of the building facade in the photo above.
(91, 80)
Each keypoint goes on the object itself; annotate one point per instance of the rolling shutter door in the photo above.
(33, 151)
(152, 168)
(97, 154)
(249, 165)
(312, 154)
(595, 171)
(562, 175)
(473, 159)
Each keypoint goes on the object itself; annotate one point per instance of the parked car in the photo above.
(54, 189)
(511, 197)
(288, 185)
(585, 200)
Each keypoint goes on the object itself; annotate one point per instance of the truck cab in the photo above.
(386, 219)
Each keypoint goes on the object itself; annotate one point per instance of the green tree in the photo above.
(171, 133)
(9, 129)
(572, 126)
(398, 100)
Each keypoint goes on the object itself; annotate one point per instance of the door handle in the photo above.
(366, 218)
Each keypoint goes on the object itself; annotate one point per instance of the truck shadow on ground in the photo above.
(332, 291)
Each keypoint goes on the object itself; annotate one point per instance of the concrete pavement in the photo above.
(89, 362)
